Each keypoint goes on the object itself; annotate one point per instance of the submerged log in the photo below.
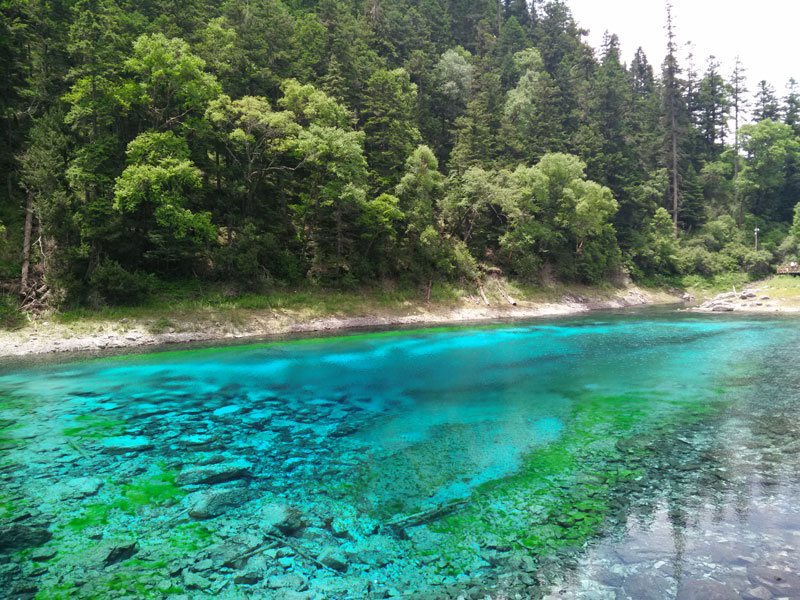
(398, 525)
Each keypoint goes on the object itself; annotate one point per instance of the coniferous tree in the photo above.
(390, 123)
(673, 102)
(713, 106)
(765, 103)
(739, 103)
(791, 106)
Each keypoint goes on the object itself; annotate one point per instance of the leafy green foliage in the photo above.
(118, 286)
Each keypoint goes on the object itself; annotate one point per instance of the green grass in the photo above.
(190, 300)
(716, 284)
(786, 285)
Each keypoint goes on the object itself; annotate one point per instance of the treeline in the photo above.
(346, 141)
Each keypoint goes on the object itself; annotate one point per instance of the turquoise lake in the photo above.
(643, 455)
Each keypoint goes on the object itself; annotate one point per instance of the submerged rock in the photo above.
(117, 551)
(19, 536)
(779, 582)
(82, 487)
(212, 503)
(124, 444)
(281, 517)
(706, 589)
(643, 586)
(333, 558)
(290, 581)
(216, 473)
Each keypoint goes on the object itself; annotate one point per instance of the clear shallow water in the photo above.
(637, 456)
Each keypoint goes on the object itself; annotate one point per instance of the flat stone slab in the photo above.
(125, 443)
(217, 473)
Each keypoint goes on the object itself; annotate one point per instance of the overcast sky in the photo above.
(765, 34)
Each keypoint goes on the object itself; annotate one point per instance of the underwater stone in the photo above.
(208, 504)
(286, 519)
(19, 536)
(759, 593)
(43, 554)
(116, 551)
(83, 487)
(195, 581)
(706, 589)
(249, 577)
(333, 558)
(290, 580)
(777, 581)
(218, 473)
(645, 587)
(197, 440)
(124, 444)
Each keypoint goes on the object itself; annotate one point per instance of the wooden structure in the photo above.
(790, 268)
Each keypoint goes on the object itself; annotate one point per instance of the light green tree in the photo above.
(155, 189)
(311, 105)
(168, 83)
(420, 189)
(256, 140)
(529, 124)
(332, 197)
(561, 219)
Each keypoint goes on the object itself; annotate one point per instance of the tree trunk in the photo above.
(338, 236)
(674, 174)
(736, 203)
(480, 288)
(26, 244)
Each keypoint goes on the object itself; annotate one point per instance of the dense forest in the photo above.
(344, 142)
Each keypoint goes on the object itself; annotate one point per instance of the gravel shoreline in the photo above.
(46, 338)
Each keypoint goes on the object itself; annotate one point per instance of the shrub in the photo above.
(757, 262)
(118, 286)
(10, 316)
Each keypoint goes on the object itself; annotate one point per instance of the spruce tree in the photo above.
(765, 105)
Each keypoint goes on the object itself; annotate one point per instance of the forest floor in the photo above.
(185, 316)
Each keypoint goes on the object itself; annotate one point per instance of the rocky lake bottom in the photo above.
(641, 456)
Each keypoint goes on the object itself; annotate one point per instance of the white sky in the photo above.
(764, 34)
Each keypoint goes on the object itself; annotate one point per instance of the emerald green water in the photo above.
(646, 455)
